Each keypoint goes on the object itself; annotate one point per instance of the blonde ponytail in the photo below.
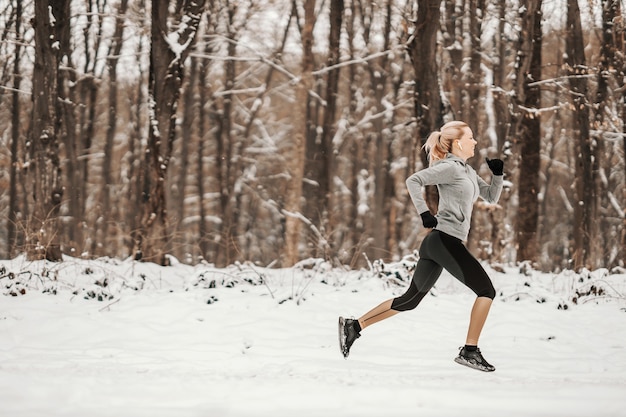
(439, 143)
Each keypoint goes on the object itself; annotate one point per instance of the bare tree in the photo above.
(475, 90)
(428, 104)
(136, 169)
(172, 39)
(500, 75)
(77, 93)
(584, 218)
(529, 136)
(42, 230)
(107, 164)
(610, 77)
(320, 159)
(297, 148)
(87, 89)
(228, 158)
(15, 134)
(452, 31)
(619, 37)
(179, 183)
(499, 90)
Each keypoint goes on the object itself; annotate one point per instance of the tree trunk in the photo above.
(321, 160)
(207, 250)
(604, 102)
(453, 45)
(203, 229)
(15, 137)
(107, 163)
(378, 79)
(530, 140)
(583, 150)
(500, 75)
(620, 66)
(229, 158)
(428, 103)
(135, 170)
(67, 104)
(474, 78)
(296, 151)
(44, 165)
(87, 87)
(179, 237)
(471, 115)
(353, 223)
(165, 80)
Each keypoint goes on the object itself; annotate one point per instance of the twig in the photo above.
(109, 305)
(262, 279)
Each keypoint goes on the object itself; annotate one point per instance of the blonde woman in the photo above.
(459, 187)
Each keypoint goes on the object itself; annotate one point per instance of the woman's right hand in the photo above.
(428, 220)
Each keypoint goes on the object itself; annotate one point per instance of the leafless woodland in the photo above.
(275, 131)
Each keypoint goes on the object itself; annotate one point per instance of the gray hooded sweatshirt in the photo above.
(459, 187)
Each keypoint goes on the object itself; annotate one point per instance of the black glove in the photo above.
(496, 166)
(428, 220)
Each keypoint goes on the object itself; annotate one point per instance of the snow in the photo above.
(250, 341)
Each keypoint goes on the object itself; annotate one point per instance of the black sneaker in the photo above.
(474, 359)
(347, 335)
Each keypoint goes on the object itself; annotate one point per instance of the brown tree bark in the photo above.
(472, 109)
(82, 226)
(228, 161)
(609, 76)
(66, 101)
(383, 193)
(135, 172)
(500, 75)
(320, 159)
(43, 237)
(187, 132)
(296, 152)
(107, 163)
(167, 57)
(428, 104)
(500, 238)
(207, 248)
(474, 78)
(15, 137)
(453, 45)
(530, 143)
(583, 149)
(619, 37)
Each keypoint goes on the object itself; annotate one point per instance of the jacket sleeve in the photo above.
(437, 174)
(491, 192)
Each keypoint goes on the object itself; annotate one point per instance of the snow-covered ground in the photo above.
(246, 341)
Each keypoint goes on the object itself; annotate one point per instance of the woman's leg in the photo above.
(378, 313)
(455, 258)
(477, 319)
(426, 274)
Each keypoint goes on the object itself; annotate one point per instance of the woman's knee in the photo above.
(489, 291)
(409, 300)
(402, 304)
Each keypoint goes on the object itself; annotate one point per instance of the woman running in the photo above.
(459, 187)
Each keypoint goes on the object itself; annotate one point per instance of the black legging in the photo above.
(440, 250)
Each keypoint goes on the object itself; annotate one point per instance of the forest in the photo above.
(276, 131)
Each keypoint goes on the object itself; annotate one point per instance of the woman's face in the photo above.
(464, 147)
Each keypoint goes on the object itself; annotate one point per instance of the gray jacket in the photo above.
(459, 187)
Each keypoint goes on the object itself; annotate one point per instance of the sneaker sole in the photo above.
(463, 362)
(342, 337)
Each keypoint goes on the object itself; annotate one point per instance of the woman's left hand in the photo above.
(496, 166)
